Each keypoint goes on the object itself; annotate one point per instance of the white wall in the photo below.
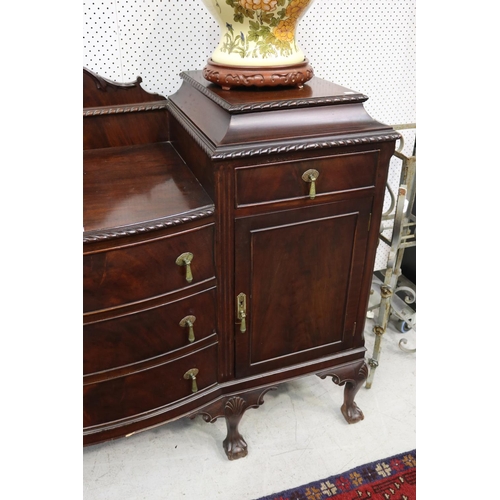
(366, 45)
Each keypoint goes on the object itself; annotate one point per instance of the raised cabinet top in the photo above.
(247, 122)
(316, 92)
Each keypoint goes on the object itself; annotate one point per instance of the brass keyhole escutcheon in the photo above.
(189, 322)
(185, 259)
(191, 374)
(311, 176)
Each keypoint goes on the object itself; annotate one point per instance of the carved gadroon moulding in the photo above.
(126, 108)
(226, 153)
(91, 237)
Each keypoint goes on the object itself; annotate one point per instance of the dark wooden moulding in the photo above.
(223, 175)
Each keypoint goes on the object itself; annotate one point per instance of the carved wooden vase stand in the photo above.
(229, 77)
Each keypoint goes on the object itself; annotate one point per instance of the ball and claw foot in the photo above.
(235, 447)
(352, 413)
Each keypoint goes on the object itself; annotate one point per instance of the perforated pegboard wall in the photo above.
(366, 45)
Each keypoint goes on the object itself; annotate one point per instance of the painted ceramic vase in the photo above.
(258, 33)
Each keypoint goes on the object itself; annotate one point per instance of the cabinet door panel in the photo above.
(301, 271)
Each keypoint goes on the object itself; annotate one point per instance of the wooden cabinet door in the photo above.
(301, 272)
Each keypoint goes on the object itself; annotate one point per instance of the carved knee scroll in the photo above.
(353, 376)
(232, 409)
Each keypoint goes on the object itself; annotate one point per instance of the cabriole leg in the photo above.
(353, 376)
(234, 444)
(232, 409)
(350, 409)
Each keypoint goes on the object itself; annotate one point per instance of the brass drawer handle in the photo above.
(311, 176)
(189, 321)
(191, 374)
(185, 259)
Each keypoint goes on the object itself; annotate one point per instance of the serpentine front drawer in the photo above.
(149, 268)
(138, 393)
(148, 333)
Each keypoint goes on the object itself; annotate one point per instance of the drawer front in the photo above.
(143, 335)
(139, 271)
(147, 390)
(277, 182)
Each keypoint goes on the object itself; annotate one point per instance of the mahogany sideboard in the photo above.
(229, 243)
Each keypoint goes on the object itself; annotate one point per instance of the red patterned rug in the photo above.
(392, 478)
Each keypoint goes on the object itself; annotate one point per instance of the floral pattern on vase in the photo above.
(258, 32)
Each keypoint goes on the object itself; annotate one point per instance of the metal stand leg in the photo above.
(379, 330)
(402, 237)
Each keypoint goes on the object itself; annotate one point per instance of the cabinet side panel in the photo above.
(193, 155)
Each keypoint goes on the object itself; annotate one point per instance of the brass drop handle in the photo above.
(241, 311)
(189, 322)
(185, 259)
(311, 176)
(191, 374)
